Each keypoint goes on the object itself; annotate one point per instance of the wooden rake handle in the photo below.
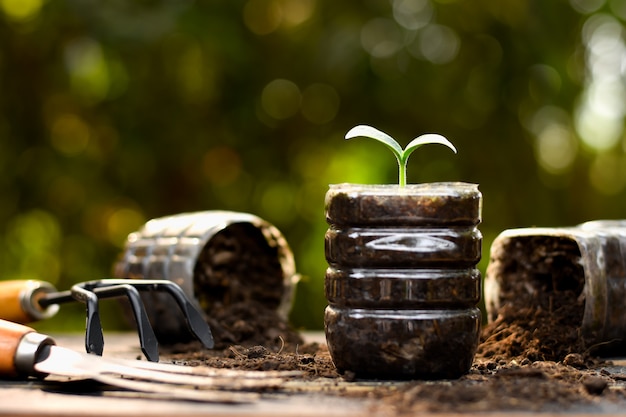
(19, 300)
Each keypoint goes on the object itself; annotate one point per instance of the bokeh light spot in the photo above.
(586, 6)
(21, 10)
(69, 134)
(439, 44)
(281, 99)
(556, 148)
(598, 131)
(121, 223)
(381, 37)
(35, 231)
(88, 70)
(412, 14)
(262, 17)
(296, 12)
(599, 115)
(34, 238)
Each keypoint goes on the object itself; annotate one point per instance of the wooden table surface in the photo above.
(50, 398)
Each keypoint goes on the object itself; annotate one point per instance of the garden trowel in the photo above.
(25, 353)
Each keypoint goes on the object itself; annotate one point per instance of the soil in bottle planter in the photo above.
(236, 267)
(560, 280)
(402, 284)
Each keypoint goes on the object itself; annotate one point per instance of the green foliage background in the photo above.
(116, 112)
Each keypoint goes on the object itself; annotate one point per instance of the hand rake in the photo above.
(23, 301)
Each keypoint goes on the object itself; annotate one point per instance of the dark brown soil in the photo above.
(238, 265)
(448, 203)
(531, 358)
(516, 369)
(239, 283)
(541, 304)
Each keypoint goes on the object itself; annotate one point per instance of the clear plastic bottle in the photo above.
(402, 284)
(254, 263)
(583, 266)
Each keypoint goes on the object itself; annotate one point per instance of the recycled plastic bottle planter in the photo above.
(585, 263)
(402, 284)
(217, 257)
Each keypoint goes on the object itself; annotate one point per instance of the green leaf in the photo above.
(401, 155)
(427, 139)
(373, 133)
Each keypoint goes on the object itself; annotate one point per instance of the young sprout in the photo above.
(402, 155)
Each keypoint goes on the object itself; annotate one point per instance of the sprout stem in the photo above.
(402, 155)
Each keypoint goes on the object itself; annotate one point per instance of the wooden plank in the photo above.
(27, 401)
(54, 396)
(322, 397)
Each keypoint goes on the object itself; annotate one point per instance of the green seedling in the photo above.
(402, 155)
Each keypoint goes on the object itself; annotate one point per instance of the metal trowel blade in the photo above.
(64, 362)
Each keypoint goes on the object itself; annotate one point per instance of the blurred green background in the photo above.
(115, 112)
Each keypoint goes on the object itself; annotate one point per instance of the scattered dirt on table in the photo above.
(531, 357)
(512, 371)
(312, 359)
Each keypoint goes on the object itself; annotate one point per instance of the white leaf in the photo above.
(427, 139)
(373, 133)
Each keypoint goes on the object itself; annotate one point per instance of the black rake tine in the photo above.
(94, 339)
(147, 338)
(193, 317)
(88, 293)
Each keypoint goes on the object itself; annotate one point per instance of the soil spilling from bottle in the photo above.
(239, 283)
(542, 308)
(530, 357)
(238, 265)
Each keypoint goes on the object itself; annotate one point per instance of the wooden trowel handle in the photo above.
(19, 300)
(19, 346)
